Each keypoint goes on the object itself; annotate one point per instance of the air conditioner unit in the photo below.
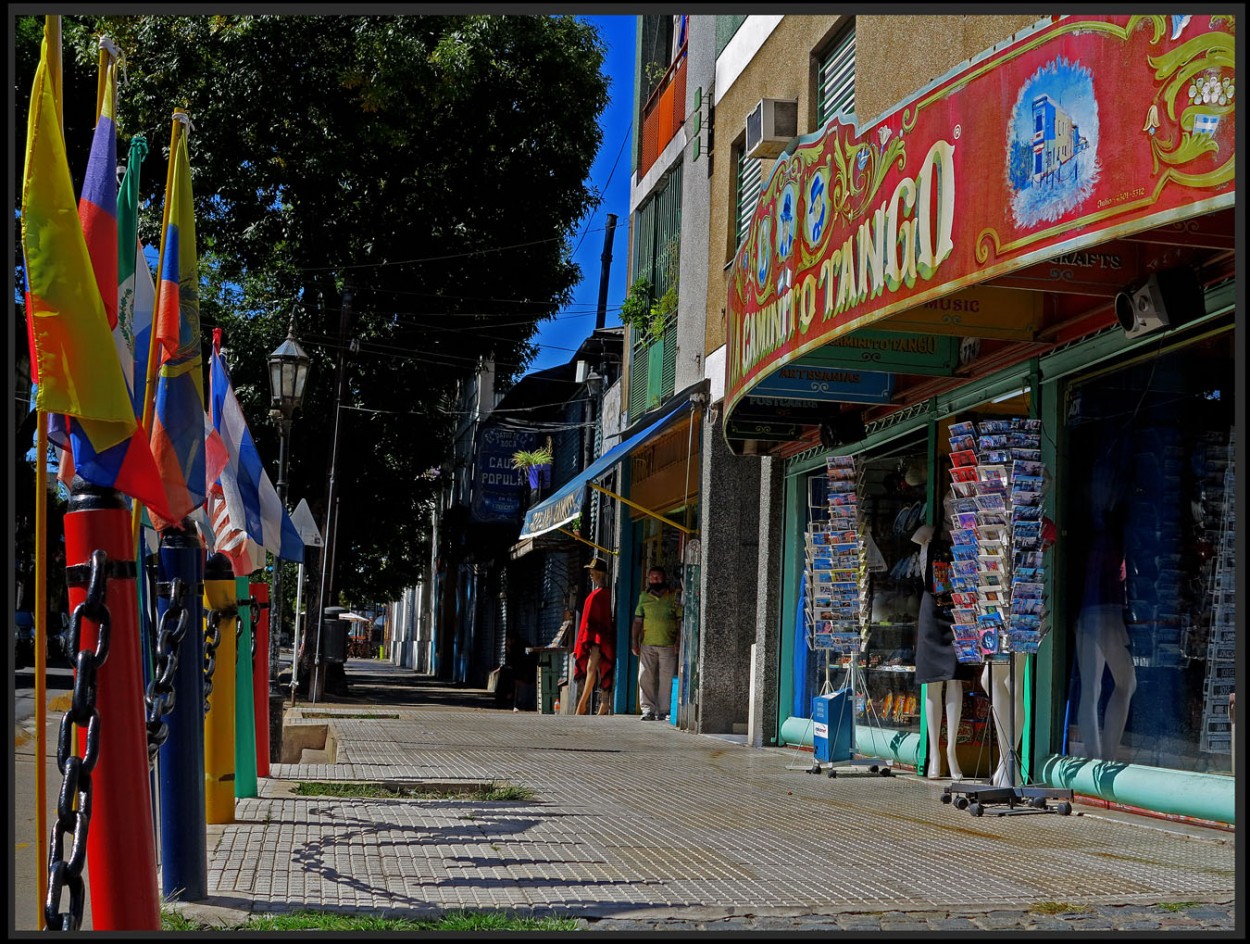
(1166, 299)
(772, 124)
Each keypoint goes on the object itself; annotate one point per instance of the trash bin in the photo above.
(333, 636)
(833, 720)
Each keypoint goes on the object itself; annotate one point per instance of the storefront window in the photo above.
(1149, 535)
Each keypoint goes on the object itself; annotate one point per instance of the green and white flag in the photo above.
(136, 292)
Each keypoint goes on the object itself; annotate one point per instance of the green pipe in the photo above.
(900, 746)
(1178, 792)
(244, 712)
(797, 732)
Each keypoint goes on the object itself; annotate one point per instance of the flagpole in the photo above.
(149, 390)
(51, 32)
(52, 43)
(101, 82)
(41, 649)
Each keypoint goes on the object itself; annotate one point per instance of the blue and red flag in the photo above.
(69, 294)
(178, 423)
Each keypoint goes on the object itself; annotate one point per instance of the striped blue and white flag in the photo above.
(252, 501)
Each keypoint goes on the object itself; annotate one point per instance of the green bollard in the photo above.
(244, 710)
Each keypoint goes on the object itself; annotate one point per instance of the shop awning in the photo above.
(566, 504)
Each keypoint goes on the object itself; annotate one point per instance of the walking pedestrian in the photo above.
(595, 651)
(657, 630)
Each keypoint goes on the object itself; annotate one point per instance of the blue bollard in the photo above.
(184, 841)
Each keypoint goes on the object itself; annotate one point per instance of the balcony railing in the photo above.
(664, 113)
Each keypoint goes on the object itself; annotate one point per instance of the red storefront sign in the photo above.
(1082, 131)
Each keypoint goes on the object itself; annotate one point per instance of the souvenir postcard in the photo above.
(965, 489)
(991, 502)
(964, 536)
(1019, 440)
(962, 429)
(840, 462)
(1028, 607)
(997, 456)
(1021, 467)
(963, 443)
(1026, 483)
(963, 459)
(964, 473)
(992, 474)
(995, 442)
(1027, 455)
(1027, 622)
(994, 426)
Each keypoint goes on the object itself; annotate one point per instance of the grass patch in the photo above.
(1178, 905)
(174, 920)
(340, 715)
(330, 921)
(1057, 907)
(492, 792)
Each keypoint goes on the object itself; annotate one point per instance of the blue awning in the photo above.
(566, 504)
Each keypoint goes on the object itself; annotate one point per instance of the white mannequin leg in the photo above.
(933, 713)
(1005, 720)
(1090, 661)
(954, 712)
(1124, 674)
(952, 694)
(1102, 642)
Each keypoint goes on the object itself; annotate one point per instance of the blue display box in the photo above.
(833, 718)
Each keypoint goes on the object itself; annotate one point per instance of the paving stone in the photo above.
(952, 924)
(1048, 923)
(859, 923)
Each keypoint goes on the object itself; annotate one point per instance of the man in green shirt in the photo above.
(657, 630)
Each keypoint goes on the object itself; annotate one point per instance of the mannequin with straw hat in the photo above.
(594, 653)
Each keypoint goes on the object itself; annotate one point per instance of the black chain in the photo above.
(212, 639)
(253, 606)
(159, 696)
(73, 811)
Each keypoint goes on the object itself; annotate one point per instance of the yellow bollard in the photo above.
(220, 594)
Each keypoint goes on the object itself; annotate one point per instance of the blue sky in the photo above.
(610, 173)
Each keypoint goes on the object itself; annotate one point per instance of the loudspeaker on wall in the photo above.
(1165, 300)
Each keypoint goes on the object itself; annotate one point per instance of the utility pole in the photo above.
(331, 518)
(602, 314)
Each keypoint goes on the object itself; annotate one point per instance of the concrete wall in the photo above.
(768, 602)
(887, 49)
(696, 190)
(783, 68)
(728, 580)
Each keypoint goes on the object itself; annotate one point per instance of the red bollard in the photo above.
(121, 843)
(260, 677)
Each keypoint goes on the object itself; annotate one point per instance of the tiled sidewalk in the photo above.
(659, 829)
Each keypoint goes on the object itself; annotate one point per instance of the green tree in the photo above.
(434, 163)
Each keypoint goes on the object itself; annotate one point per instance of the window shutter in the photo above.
(837, 80)
(750, 176)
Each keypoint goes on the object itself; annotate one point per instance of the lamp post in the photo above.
(288, 370)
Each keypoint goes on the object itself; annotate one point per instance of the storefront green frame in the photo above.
(1198, 795)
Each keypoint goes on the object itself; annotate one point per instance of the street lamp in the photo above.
(288, 370)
